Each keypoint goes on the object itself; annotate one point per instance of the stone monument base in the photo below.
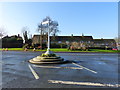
(47, 60)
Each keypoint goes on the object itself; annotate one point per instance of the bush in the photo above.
(79, 48)
(48, 55)
(25, 46)
(55, 45)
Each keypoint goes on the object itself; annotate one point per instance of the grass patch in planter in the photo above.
(48, 55)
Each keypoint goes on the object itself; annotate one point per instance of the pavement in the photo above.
(88, 70)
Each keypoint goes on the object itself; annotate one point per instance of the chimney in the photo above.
(82, 34)
(18, 35)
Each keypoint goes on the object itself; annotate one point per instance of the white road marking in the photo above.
(84, 68)
(33, 72)
(56, 67)
(83, 83)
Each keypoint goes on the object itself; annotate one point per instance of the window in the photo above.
(67, 42)
(59, 42)
(88, 41)
(81, 41)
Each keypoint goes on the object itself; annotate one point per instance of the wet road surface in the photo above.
(87, 70)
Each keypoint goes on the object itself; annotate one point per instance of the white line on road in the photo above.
(56, 67)
(83, 83)
(33, 72)
(84, 68)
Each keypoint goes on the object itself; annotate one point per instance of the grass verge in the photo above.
(63, 50)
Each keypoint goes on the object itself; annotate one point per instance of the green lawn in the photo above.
(64, 50)
(100, 50)
(18, 49)
(59, 49)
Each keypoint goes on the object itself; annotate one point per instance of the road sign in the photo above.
(45, 22)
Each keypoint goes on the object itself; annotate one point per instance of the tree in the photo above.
(2, 32)
(43, 28)
(40, 29)
(117, 39)
(25, 32)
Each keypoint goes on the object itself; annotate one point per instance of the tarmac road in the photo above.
(96, 70)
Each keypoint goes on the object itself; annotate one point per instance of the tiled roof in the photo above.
(69, 37)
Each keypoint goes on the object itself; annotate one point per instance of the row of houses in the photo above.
(16, 41)
(87, 41)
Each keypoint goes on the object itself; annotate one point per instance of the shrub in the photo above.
(25, 46)
(48, 55)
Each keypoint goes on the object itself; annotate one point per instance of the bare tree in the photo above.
(43, 28)
(2, 32)
(40, 29)
(54, 28)
(117, 39)
(25, 32)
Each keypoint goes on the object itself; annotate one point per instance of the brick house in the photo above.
(65, 40)
(104, 43)
(69, 40)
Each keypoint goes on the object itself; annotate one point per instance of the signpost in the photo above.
(47, 22)
(48, 57)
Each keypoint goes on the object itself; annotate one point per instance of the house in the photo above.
(65, 40)
(83, 41)
(12, 41)
(104, 43)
